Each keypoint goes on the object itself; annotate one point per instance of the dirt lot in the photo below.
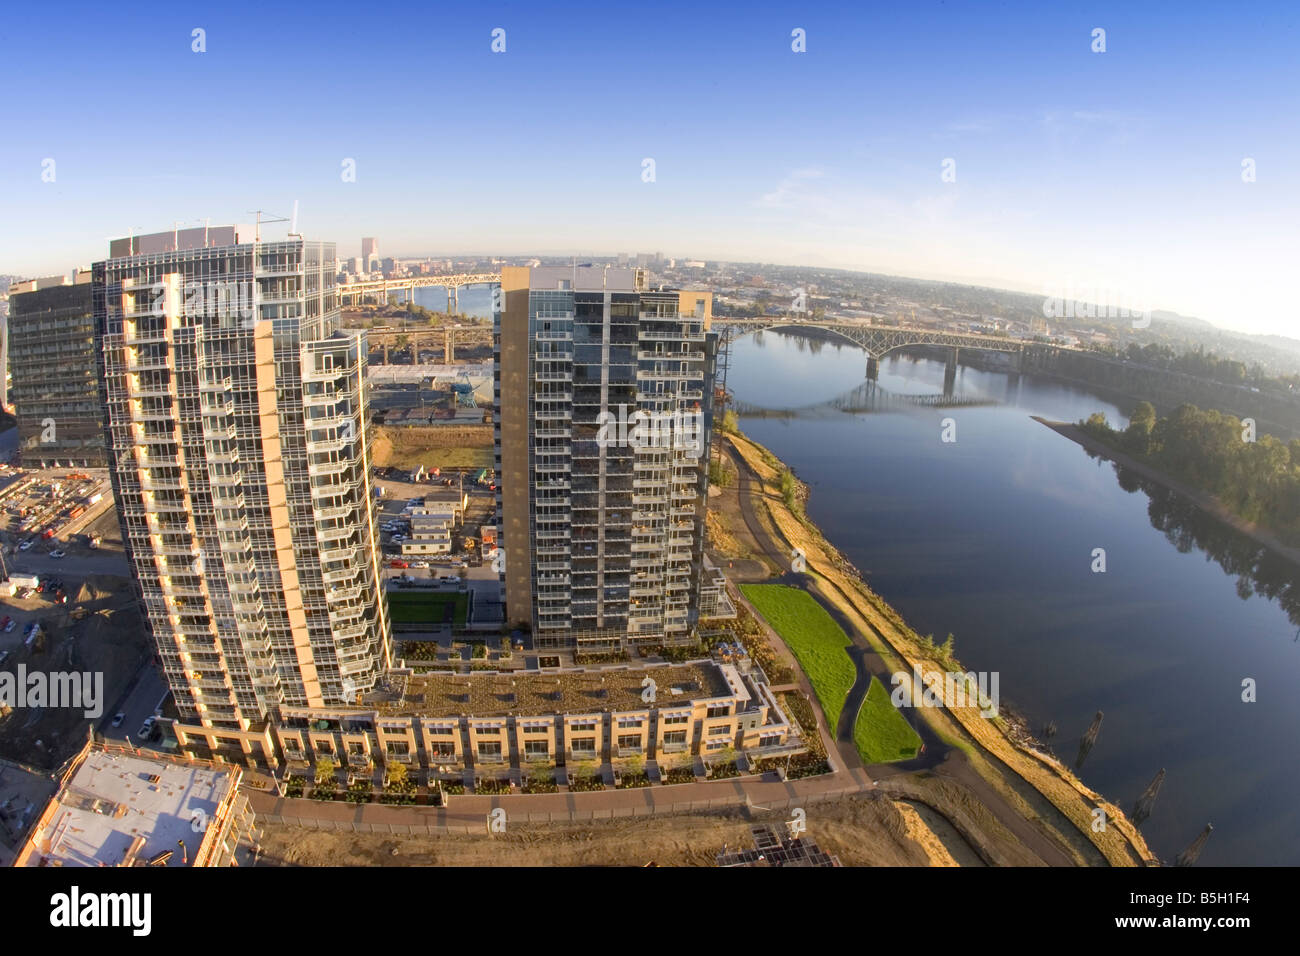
(108, 639)
(442, 446)
(861, 831)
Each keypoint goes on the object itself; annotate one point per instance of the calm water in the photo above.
(991, 538)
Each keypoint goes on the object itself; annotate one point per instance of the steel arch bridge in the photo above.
(356, 291)
(875, 340)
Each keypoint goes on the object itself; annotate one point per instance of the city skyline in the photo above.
(1120, 170)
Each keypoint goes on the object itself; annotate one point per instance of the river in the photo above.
(993, 536)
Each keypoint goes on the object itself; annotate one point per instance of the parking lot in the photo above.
(400, 492)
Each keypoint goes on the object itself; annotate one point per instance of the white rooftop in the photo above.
(112, 799)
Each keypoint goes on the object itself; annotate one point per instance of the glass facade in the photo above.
(239, 453)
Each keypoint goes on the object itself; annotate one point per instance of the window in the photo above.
(723, 710)
(582, 728)
(629, 740)
(489, 748)
(629, 723)
(583, 745)
(719, 730)
(675, 737)
(715, 745)
(677, 718)
(535, 748)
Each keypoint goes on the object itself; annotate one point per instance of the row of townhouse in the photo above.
(703, 708)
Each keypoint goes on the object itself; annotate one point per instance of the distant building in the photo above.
(117, 806)
(369, 249)
(55, 391)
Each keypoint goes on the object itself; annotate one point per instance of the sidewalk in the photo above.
(469, 813)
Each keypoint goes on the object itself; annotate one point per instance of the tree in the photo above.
(396, 775)
(1137, 437)
(325, 767)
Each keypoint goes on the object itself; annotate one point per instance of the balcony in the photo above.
(337, 577)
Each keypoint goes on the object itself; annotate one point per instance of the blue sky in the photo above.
(1118, 171)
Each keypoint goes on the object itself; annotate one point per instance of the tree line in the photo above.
(1257, 477)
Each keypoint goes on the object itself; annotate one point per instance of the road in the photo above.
(140, 701)
(38, 561)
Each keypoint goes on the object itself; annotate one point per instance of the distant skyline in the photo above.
(1120, 170)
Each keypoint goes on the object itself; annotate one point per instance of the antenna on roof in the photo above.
(293, 221)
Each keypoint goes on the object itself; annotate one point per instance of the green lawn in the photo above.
(817, 641)
(413, 607)
(880, 732)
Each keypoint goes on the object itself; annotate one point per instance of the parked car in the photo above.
(23, 593)
(25, 545)
(419, 564)
(4, 656)
(146, 728)
(118, 718)
(398, 564)
(58, 553)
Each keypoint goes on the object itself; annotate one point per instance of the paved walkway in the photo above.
(469, 812)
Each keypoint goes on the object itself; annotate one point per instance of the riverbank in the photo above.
(1042, 794)
(1206, 502)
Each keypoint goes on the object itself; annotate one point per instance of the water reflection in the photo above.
(1257, 569)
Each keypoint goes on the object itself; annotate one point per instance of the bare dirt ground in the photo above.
(443, 446)
(109, 640)
(862, 831)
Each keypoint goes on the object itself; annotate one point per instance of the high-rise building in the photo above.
(55, 387)
(238, 439)
(370, 255)
(604, 411)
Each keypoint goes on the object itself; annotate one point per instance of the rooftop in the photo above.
(116, 798)
(535, 693)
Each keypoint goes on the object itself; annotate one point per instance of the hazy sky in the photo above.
(1119, 170)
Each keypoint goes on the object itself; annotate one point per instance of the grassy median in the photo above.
(879, 731)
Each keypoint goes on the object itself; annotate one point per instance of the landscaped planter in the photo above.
(585, 784)
(629, 781)
(497, 787)
(723, 771)
(678, 775)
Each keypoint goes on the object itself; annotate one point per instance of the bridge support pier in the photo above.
(873, 368)
(448, 347)
(453, 300)
(950, 373)
(385, 353)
